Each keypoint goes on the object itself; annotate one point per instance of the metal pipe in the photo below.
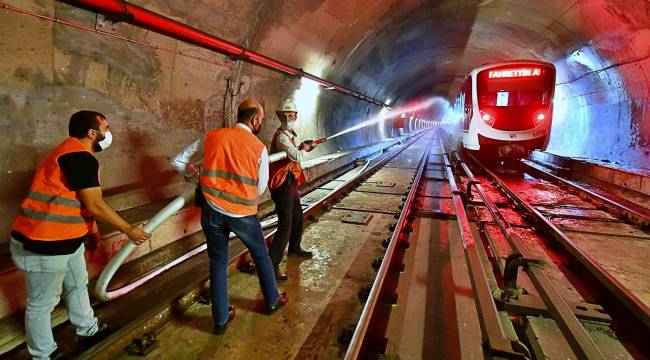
(142, 17)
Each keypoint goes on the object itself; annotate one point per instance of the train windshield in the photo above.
(512, 86)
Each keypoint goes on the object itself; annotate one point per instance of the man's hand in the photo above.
(137, 234)
(308, 145)
(191, 170)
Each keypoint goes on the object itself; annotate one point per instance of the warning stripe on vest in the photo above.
(51, 217)
(229, 176)
(54, 199)
(228, 197)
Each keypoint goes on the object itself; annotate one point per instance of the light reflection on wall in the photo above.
(306, 98)
(591, 116)
(381, 124)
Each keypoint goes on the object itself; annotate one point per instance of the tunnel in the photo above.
(165, 72)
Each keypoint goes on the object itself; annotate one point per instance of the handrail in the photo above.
(101, 287)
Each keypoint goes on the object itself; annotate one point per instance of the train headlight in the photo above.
(487, 118)
(539, 119)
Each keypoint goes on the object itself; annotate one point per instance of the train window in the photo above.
(513, 90)
(502, 98)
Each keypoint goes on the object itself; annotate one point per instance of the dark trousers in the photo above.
(289, 210)
(216, 228)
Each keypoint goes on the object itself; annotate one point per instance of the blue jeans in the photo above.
(216, 228)
(46, 277)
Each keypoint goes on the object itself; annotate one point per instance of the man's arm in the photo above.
(263, 178)
(283, 143)
(181, 162)
(94, 202)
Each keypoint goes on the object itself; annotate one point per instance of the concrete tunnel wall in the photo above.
(399, 50)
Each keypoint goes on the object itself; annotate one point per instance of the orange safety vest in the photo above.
(52, 211)
(231, 169)
(278, 170)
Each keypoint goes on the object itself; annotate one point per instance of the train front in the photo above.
(515, 108)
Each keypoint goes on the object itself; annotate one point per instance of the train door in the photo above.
(466, 90)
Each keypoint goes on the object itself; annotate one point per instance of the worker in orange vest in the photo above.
(54, 221)
(285, 177)
(234, 173)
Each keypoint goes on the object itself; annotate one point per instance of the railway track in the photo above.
(417, 255)
(139, 319)
(545, 279)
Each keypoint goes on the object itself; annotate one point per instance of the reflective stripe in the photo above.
(51, 217)
(229, 197)
(54, 199)
(229, 176)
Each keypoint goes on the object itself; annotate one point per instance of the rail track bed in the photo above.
(417, 255)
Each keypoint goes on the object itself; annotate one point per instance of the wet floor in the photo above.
(323, 291)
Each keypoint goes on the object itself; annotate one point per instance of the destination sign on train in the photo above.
(511, 73)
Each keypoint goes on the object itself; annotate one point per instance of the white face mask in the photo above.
(291, 124)
(106, 142)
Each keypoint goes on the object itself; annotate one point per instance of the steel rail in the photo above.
(633, 214)
(494, 336)
(630, 301)
(101, 287)
(359, 344)
(576, 335)
(102, 347)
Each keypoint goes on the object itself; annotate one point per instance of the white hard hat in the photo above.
(288, 106)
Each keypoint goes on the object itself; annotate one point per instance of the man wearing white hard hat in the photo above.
(284, 178)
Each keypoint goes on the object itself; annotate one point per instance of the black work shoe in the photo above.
(221, 329)
(58, 355)
(89, 341)
(280, 276)
(281, 301)
(247, 267)
(301, 253)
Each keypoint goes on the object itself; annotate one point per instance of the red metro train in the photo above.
(505, 109)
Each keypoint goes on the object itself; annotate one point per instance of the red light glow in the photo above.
(487, 118)
(513, 73)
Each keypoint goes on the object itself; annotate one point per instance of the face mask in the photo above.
(103, 142)
(291, 124)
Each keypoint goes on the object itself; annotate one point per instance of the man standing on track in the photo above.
(233, 175)
(285, 177)
(54, 221)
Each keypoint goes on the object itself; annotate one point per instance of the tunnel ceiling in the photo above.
(412, 48)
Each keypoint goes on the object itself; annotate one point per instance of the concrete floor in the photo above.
(323, 292)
